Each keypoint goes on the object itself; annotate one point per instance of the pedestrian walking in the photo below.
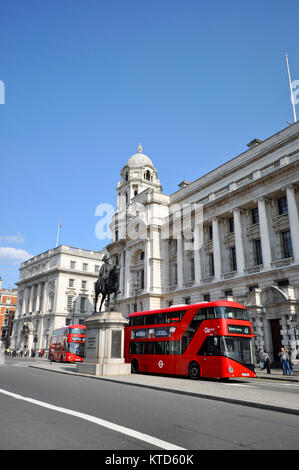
(284, 359)
(267, 362)
(261, 359)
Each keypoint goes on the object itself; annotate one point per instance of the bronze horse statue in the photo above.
(110, 286)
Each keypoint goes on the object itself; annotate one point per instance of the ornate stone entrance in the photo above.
(274, 316)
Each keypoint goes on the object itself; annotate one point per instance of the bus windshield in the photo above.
(238, 349)
(76, 348)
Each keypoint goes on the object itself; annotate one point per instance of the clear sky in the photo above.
(87, 80)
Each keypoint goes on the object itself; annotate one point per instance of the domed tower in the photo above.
(137, 175)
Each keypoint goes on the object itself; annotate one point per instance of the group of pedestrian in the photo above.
(264, 361)
(24, 352)
(285, 359)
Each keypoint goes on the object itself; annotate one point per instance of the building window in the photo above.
(210, 232)
(116, 235)
(69, 302)
(127, 175)
(85, 266)
(206, 297)
(8, 300)
(141, 279)
(282, 205)
(258, 255)
(287, 244)
(231, 225)
(255, 216)
(187, 300)
(82, 304)
(252, 288)
(233, 259)
(211, 264)
(84, 284)
(283, 283)
(71, 282)
(228, 293)
(72, 264)
(170, 303)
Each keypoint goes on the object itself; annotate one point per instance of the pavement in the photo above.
(274, 392)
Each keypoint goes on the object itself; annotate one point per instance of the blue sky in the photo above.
(86, 81)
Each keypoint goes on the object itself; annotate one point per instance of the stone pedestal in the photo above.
(104, 345)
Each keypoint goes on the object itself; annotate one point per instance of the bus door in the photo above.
(210, 359)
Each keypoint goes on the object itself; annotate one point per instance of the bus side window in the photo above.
(136, 321)
(160, 318)
(210, 313)
(201, 314)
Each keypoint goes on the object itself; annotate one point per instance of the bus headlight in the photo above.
(230, 370)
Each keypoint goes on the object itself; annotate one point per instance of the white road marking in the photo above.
(100, 422)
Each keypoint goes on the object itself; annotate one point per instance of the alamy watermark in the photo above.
(295, 86)
(136, 221)
(2, 92)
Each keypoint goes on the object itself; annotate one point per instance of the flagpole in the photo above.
(291, 90)
(58, 230)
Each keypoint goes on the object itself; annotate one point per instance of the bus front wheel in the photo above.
(134, 366)
(194, 371)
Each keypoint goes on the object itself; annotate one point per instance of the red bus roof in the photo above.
(216, 303)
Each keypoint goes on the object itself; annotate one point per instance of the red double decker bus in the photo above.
(211, 339)
(67, 344)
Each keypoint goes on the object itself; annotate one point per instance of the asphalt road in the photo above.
(42, 410)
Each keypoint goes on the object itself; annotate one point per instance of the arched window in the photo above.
(148, 175)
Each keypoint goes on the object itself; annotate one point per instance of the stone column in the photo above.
(122, 273)
(26, 300)
(31, 299)
(127, 274)
(197, 257)
(264, 233)
(216, 249)
(23, 310)
(37, 304)
(180, 264)
(239, 242)
(147, 270)
(293, 220)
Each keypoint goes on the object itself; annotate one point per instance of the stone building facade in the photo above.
(56, 288)
(230, 234)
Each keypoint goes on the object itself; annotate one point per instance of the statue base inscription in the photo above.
(104, 345)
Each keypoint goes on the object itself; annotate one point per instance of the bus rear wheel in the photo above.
(193, 371)
(134, 366)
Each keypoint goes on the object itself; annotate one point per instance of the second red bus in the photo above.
(211, 339)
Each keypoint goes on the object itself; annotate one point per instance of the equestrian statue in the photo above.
(107, 283)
